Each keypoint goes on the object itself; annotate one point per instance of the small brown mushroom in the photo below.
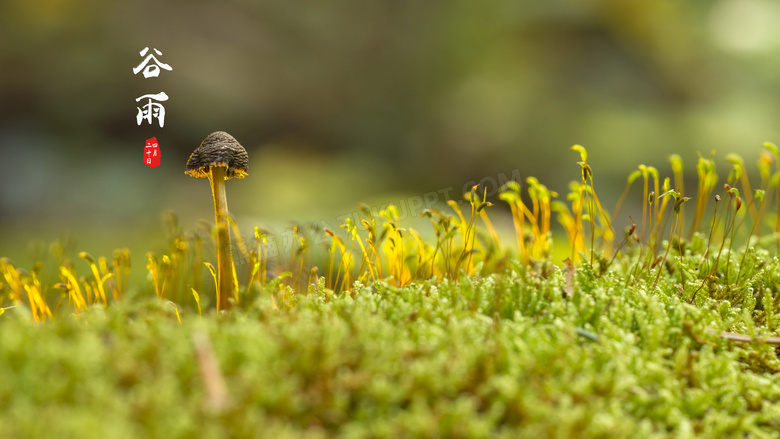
(220, 157)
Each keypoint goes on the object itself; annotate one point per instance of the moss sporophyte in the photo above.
(220, 157)
(657, 252)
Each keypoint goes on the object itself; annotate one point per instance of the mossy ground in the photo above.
(663, 331)
(507, 355)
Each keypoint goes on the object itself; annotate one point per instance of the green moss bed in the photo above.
(523, 353)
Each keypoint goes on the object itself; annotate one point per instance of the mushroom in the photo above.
(220, 157)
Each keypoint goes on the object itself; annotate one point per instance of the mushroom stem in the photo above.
(225, 281)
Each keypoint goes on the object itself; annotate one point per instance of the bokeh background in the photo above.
(342, 102)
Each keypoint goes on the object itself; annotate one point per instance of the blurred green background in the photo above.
(342, 102)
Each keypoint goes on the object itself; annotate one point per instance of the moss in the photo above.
(396, 337)
(415, 361)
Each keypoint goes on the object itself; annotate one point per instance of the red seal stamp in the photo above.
(152, 153)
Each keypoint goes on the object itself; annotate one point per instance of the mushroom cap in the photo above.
(218, 149)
